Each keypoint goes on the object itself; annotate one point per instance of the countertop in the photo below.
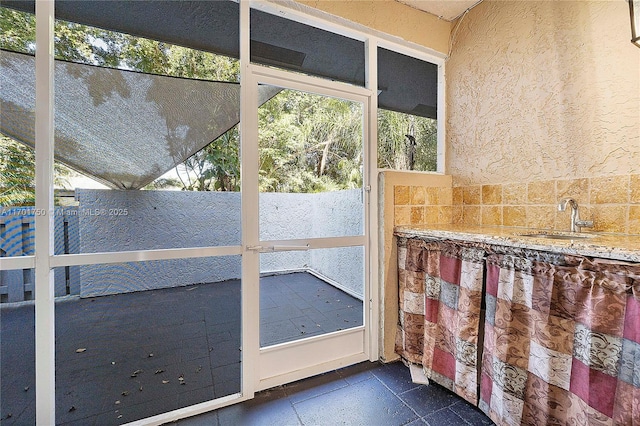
(608, 246)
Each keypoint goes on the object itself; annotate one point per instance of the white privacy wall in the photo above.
(112, 221)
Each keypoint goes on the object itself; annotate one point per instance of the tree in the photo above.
(207, 170)
(17, 174)
(309, 143)
(395, 147)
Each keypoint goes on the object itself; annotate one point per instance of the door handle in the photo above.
(270, 249)
(290, 248)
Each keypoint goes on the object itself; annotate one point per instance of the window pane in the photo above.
(310, 178)
(294, 46)
(309, 293)
(408, 112)
(407, 142)
(144, 338)
(17, 348)
(132, 113)
(17, 161)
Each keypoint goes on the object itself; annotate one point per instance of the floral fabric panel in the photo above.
(561, 341)
(440, 294)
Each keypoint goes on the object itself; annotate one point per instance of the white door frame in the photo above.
(292, 361)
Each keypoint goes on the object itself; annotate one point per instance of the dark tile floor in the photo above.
(125, 357)
(296, 306)
(364, 394)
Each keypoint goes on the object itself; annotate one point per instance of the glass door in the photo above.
(311, 231)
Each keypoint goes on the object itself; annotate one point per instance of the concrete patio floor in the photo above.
(125, 357)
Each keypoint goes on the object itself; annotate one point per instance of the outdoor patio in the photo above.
(124, 357)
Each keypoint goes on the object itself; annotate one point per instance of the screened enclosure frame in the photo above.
(44, 261)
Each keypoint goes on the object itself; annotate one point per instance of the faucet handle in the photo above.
(584, 223)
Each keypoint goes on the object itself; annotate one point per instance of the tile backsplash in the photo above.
(612, 203)
(422, 205)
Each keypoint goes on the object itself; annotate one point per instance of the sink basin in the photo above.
(557, 235)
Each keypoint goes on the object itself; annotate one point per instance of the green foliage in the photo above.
(309, 143)
(18, 31)
(394, 147)
(17, 174)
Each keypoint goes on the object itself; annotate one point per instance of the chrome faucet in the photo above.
(576, 222)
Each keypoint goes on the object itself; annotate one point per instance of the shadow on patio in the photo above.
(124, 357)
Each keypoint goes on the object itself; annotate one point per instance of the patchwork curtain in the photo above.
(440, 295)
(561, 341)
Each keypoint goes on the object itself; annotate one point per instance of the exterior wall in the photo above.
(391, 17)
(544, 92)
(407, 198)
(328, 214)
(156, 219)
(112, 221)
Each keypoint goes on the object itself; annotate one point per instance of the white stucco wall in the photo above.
(328, 214)
(112, 221)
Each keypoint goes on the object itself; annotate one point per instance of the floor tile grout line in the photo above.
(320, 394)
(400, 399)
(399, 396)
(293, 406)
(213, 383)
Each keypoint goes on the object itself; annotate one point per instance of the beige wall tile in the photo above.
(609, 218)
(402, 215)
(471, 195)
(431, 215)
(563, 219)
(609, 190)
(514, 193)
(491, 194)
(417, 195)
(541, 217)
(456, 196)
(401, 195)
(431, 196)
(514, 216)
(577, 189)
(456, 215)
(445, 196)
(445, 214)
(417, 215)
(634, 219)
(491, 215)
(471, 215)
(542, 192)
(634, 186)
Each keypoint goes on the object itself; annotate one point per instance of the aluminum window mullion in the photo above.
(44, 276)
(441, 149)
(249, 161)
(302, 82)
(62, 260)
(17, 262)
(371, 208)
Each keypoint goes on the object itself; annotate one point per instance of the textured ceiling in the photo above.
(448, 10)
